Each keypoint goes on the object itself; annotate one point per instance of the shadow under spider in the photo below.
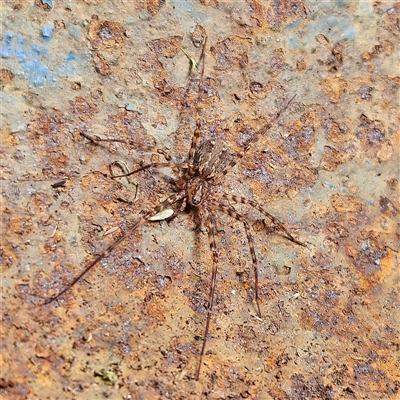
(207, 163)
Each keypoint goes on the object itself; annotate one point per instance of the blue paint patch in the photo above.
(8, 37)
(75, 32)
(71, 66)
(38, 72)
(71, 56)
(131, 107)
(48, 3)
(294, 42)
(36, 63)
(342, 3)
(4, 53)
(349, 33)
(329, 185)
(332, 21)
(294, 24)
(333, 27)
(47, 32)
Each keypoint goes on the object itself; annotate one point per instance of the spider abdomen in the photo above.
(197, 190)
(212, 157)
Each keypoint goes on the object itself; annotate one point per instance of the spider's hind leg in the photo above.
(214, 253)
(274, 220)
(229, 210)
(162, 206)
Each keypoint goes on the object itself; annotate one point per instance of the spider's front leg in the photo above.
(174, 166)
(169, 164)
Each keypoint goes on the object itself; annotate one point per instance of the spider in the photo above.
(196, 179)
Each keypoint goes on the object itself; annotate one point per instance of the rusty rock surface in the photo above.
(132, 328)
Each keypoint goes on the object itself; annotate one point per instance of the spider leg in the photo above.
(213, 247)
(195, 143)
(228, 209)
(170, 200)
(122, 165)
(254, 140)
(171, 165)
(129, 142)
(169, 217)
(196, 135)
(275, 221)
(97, 139)
(169, 159)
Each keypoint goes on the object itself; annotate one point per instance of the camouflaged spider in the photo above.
(208, 161)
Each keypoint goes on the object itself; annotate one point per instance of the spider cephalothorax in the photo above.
(197, 191)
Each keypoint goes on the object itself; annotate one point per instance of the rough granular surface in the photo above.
(329, 168)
